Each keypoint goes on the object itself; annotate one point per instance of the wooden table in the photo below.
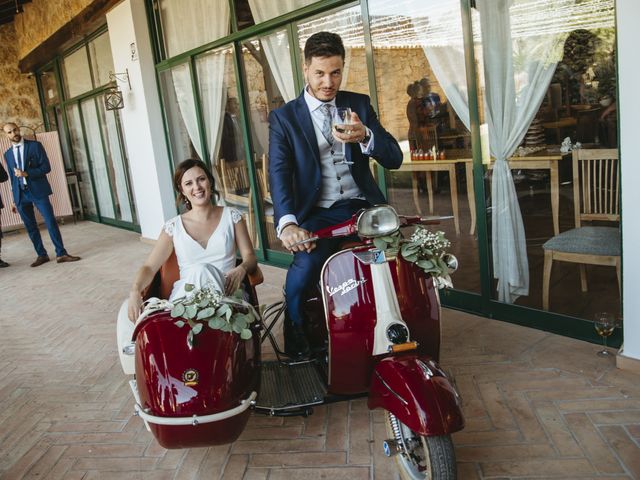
(537, 161)
(429, 166)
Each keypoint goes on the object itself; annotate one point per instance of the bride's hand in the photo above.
(135, 303)
(233, 279)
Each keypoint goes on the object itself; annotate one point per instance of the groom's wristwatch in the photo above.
(367, 137)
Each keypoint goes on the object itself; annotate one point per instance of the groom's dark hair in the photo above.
(323, 44)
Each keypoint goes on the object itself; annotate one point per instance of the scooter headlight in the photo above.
(378, 221)
(397, 333)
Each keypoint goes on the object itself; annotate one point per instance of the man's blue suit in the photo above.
(35, 192)
(295, 181)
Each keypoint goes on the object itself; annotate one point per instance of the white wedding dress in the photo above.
(200, 265)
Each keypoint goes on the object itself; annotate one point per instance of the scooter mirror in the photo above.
(378, 221)
(451, 261)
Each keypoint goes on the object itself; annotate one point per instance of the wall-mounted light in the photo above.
(121, 77)
(113, 99)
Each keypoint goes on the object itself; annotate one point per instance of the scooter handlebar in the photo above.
(407, 221)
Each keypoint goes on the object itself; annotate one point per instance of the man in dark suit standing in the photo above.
(28, 166)
(3, 178)
(319, 176)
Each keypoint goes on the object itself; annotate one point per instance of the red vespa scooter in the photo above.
(374, 325)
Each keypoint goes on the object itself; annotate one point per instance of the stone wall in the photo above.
(48, 16)
(18, 93)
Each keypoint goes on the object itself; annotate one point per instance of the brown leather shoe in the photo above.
(67, 258)
(40, 260)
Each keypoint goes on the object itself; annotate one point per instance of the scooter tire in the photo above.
(422, 457)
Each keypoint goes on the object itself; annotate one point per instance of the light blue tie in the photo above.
(20, 163)
(326, 124)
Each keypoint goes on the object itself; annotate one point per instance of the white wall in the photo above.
(142, 117)
(628, 13)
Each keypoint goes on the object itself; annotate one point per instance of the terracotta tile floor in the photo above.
(537, 405)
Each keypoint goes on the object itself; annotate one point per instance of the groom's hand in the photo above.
(355, 133)
(292, 234)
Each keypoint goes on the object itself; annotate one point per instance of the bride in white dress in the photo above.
(205, 239)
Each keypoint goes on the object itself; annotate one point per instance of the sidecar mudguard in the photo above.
(418, 393)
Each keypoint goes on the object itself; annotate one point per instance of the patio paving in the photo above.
(537, 405)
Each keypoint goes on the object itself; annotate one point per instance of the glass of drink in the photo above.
(340, 122)
(604, 323)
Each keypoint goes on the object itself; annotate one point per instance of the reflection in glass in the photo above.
(221, 113)
(49, 86)
(187, 25)
(76, 74)
(269, 85)
(101, 59)
(118, 168)
(101, 171)
(180, 109)
(540, 82)
(348, 24)
(422, 98)
(81, 160)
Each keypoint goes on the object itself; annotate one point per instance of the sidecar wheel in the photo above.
(421, 457)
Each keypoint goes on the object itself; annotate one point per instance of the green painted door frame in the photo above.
(482, 303)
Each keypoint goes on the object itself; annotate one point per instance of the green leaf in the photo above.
(203, 303)
(223, 309)
(425, 264)
(239, 294)
(190, 339)
(190, 312)
(411, 258)
(197, 328)
(246, 334)
(241, 320)
(179, 324)
(226, 327)
(380, 243)
(207, 312)
(177, 310)
(189, 287)
(237, 328)
(216, 323)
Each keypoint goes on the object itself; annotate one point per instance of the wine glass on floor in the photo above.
(604, 323)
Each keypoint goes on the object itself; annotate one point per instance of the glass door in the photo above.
(546, 83)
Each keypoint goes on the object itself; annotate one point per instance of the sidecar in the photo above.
(190, 396)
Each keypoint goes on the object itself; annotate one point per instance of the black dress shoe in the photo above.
(3, 264)
(295, 342)
(40, 260)
(67, 258)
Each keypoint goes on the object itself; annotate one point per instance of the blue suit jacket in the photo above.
(36, 164)
(294, 158)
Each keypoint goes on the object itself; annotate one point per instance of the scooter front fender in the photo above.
(418, 393)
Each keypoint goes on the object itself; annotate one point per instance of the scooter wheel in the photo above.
(420, 457)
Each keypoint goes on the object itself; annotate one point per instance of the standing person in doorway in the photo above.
(3, 178)
(28, 166)
(318, 175)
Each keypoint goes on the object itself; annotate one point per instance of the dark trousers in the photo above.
(305, 269)
(25, 209)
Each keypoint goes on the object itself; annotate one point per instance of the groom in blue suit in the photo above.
(320, 176)
(28, 166)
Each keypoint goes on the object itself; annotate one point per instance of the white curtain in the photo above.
(276, 46)
(213, 95)
(517, 73)
(190, 25)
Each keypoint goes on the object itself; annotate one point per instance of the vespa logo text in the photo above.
(345, 287)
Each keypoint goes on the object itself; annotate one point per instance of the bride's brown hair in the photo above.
(177, 180)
